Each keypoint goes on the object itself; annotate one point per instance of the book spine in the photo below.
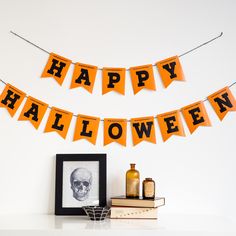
(133, 213)
(150, 204)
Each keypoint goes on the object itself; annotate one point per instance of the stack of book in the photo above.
(135, 208)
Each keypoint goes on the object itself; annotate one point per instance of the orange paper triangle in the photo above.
(143, 130)
(11, 98)
(86, 128)
(115, 131)
(33, 111)
(170, 69)
(170, 124)
(142, 77)
(195, 115)
(84, 76)
(113, 79)
(56, 67)
(58, 121)
(222, 101)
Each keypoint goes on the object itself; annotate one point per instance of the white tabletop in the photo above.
(81, 225)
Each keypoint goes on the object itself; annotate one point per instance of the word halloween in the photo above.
(113, 79)
(115, 130)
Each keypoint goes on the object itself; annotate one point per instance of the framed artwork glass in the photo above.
(80, 181)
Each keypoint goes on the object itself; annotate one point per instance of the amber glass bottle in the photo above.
(132, 182)
(148, 188)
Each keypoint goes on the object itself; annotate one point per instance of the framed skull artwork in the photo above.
(80, 181)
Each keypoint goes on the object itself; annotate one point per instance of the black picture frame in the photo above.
(60, 159)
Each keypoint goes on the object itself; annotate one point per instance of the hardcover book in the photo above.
(137, 202)
(133, 213)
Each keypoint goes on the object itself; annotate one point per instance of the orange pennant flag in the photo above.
(86, 128)
(142, 77)
(170, 124)
(195, 115)
(11, 98)
(115, 131)
(113, 79)
(56, 67)
(33, 111)
(143, 129)
(222, 101)
(170, 69)
(84, 76)
(59, 121)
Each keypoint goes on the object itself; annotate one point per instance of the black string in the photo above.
(26, 40)
(204, 100)
(181, 55)
(201, 45)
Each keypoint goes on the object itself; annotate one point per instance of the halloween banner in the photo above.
(113, 79)
(115, 129)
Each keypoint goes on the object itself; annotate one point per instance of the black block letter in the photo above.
(11, 99)
(223, 103)
(84, 130)
(55, 125)
(113, 78)
(58, 69)
(170, 124)
(170, 68)
(83, 76)
(110, 130)
(144, 129)
(196, 118)
(33, 111)
(142, 76)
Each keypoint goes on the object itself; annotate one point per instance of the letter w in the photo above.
(145, 128)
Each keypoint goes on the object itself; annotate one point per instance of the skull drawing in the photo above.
(81, 181)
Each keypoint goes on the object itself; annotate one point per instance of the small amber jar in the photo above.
(148, 188)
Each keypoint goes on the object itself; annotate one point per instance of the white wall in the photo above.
(196, 174)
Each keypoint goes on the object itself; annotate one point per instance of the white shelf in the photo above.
(46, 225)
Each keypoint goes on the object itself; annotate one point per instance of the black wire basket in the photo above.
(96, 212)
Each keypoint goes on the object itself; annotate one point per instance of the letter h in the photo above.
(58, 69)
